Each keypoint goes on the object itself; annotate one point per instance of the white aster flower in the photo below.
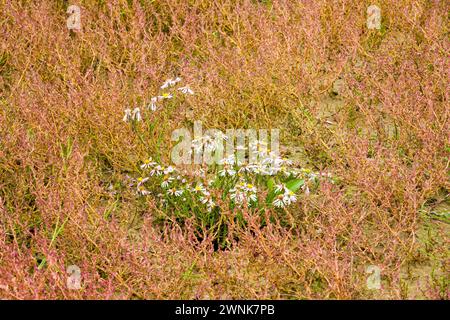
(165, 96)
(157, 171)
(209, 143)
(199, 188)
(250, 188)
(152, 105)
(230, 160)
(166, 181)
(206, 198)
(136, 114)
(249, 168)
(141, 180)
(127, 116)
(243, 193)
(278, 202)
(175, 192)
(142, 191)
(170, 82)
(169, 169)
(306, 189)
(148, 163)
(186, 90)
(227, 170)
(289, 197)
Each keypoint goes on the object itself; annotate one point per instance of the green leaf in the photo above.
(270, 184)
(295, 184)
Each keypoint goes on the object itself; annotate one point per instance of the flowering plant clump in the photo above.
(253, 178)
(270, 183)
(227, 187)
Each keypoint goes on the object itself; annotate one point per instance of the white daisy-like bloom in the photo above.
(127, 117)
(207, 199)
(148, 163)
(166, 181)
(157, 171)
(166, 84)
(250, 188)
(285, 198)
(270, 171)
(170, 82)
(240, 196)
(271, 159)
(280, 188)
(142, 191)
(200, 172)
(289, 197)
(259, 146)
(136, 114)
(186, 90)
(209, 143)
(253, 197)
(230, 160)
(306, 189)
(243, 193)
(257, 169)
(169, 169)
(237, 196)
(197, 144)
(278, 202)
(199, 188)
(141, 180)
(227, 170)
(152, 105)
(249, 168)
(175, 192)
(165, 96)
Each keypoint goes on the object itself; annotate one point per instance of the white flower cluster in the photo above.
(135, 114)
(244, 193)
(173, 184)
(284, 196)
(230, 179)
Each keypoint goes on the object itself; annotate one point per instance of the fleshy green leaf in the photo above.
(295, 184)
